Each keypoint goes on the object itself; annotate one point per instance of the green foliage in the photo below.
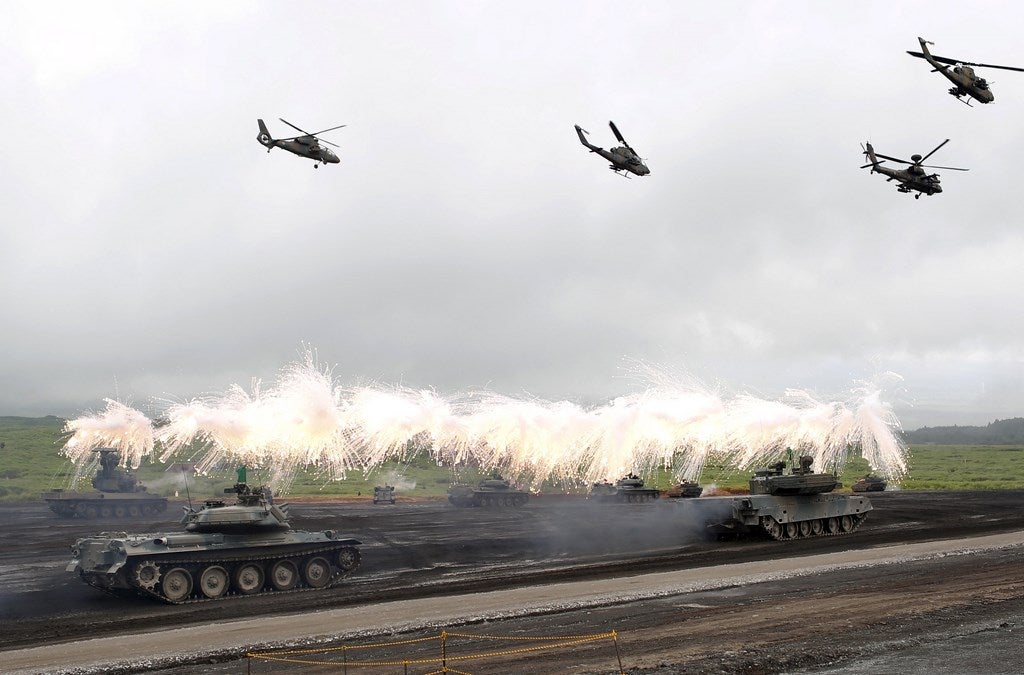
(30, 463)
(1000, 432)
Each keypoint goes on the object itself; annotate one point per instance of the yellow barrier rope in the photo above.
(562, 641)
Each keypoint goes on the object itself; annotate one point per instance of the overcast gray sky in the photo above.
(152, 248)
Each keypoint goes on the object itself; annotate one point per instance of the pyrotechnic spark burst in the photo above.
(307, 419)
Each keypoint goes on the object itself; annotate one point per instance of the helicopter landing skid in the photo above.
(624, 174)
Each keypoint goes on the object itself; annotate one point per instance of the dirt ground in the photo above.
(838, 619)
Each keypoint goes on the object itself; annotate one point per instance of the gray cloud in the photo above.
(466, 238)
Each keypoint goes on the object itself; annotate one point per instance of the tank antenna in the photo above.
(184, 477)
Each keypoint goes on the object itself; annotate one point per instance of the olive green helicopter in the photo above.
(961, 74)
(307, 145)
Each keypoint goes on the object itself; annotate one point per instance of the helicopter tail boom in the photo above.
(583, 139)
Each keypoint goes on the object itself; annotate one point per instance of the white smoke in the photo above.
(306, 418)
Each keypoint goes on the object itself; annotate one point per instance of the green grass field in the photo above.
(30, 463)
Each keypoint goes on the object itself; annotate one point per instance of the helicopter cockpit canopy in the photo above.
(980, 83)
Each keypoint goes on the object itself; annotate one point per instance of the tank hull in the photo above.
(70, 504)
(185, 567)
(780, 517)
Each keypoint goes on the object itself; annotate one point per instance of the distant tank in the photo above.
(120, 495)
(869, 483)
(784, 506)
(384, 494)
(494, 491)
(629, 489)
(244, 549)
(686, 489)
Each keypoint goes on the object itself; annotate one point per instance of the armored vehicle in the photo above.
(869, 483)
(686, 489)
(119, 494)
(384, 494)
(784, 506)
(494, 491)
(244, 549)
(629, 489)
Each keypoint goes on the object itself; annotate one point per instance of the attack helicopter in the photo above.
(623, 159)
(962, 74)
(307, 145)
(914, 177)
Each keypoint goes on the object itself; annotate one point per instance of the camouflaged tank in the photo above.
(225, 551)
(119, 494)
(492, 492)
(625, 490)
(685, 490)
(869, 483)
(783, 506)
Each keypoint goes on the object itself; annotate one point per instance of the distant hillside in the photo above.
(48, 421)
(1000, 432)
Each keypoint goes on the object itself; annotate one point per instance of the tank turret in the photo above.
(246, 548)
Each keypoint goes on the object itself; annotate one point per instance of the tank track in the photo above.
(820, 527)
(94, 508)
(195, 563)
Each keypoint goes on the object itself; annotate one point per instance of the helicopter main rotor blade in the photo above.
(320, 140)
(940, 59)
(331, 129)
(989, 65)
(895, 159)
(932, 152)
(294, 127)
(951, 168)
(954, 62)
(615, 130)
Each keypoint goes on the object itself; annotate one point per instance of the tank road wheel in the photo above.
(91, 511)
(177, 584)
(248, 579)
(817, 528)
(284, 575)
(213, 581)
(805, 528)
(317, 572)
(133, 511)
(80, 510)
(846, 524)
(105, 511)
(772, 527)
(147, 575)
(119, 511)
(832, 525)
(792, 530)
(348, 559)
